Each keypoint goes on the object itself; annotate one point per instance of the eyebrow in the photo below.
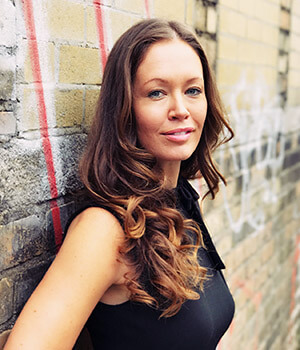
(165, 81)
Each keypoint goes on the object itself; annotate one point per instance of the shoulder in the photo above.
(86, 266)
(96, 219)
(95, 229)
(89, 257)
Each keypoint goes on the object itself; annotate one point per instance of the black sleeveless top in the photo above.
(198, 325)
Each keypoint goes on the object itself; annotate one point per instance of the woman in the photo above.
(138, 266)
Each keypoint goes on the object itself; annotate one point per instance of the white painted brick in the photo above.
(282, 64)
(7, 23)
(7, 123)
(211, 20)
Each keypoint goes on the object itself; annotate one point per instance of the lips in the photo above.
(178, 135)
(179, 131)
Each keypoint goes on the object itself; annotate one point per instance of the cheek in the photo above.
(145, 133)
(142, 126)
(203, 110)
(202, 116)
(147, 121)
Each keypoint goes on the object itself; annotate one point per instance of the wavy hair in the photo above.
(119, 174)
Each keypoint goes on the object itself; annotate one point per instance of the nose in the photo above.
(178, 108)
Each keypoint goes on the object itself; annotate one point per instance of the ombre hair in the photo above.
(119, 174)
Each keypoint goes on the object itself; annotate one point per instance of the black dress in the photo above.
(198, 325)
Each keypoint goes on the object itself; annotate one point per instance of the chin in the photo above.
(185, 156)
(177, 158)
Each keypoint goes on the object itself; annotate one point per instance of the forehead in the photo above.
(170, 57)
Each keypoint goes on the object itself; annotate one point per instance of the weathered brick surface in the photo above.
(200, 16)
(7, 123)
(7, 23)
(65, 19)
(134, 6)
(66, 153)
(190, 13)
(227, 17)
(79, 65)
(91, 98)
(23, 177)
(30, 116)
(294, 69)
(6, 307)
(47, 62)
(7, 84)
(24, 181)
(118, 21)
(69, 107)
(228, 48)
(163, 9)
(255, 220)
(21, 241)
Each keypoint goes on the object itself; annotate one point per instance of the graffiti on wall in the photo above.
(260, 153)
(257, 161)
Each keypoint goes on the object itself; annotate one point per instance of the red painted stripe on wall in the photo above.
(37, 78)
(147, 8)
(101, 32)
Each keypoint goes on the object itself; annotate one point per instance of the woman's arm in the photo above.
(85, 267)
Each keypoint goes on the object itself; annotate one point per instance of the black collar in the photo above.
(188, 202)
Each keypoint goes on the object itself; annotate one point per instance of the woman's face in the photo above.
(169, 101)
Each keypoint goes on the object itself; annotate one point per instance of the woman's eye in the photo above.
(193, 91)
(155, 94)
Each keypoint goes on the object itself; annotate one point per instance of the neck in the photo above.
(171, 173)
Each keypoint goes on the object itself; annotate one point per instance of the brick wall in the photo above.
(51, 58)
(256, 218)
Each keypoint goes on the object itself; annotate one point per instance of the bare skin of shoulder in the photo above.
(87, 269)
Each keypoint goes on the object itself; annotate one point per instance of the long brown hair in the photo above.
(118, 173)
